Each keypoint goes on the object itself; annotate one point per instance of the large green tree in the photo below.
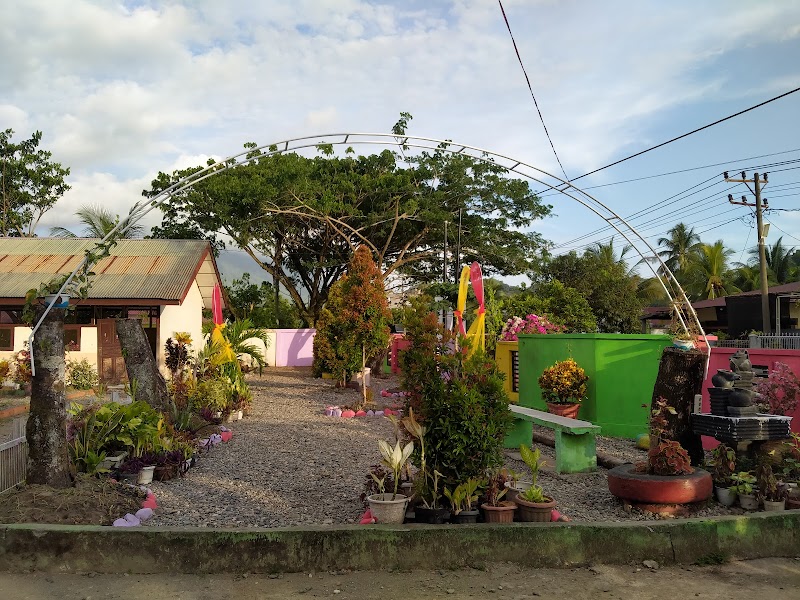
(301, 218)
(248, 300)
(709, 275)
(30, 184)
(780, 262)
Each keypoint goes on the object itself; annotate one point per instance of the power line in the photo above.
(675, 139)
(530, 87)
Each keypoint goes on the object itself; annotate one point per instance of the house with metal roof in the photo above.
(165, 283)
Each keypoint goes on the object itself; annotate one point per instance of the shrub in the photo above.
(5, 369)
(669, 458)
(781, 390)
(563, 383)
(460, 400)
(212, 394)
(530, 324)
(22, 367)
(81, 375)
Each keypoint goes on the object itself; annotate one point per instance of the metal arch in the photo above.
(649, 256)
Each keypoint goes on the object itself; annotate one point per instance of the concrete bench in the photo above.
(576, 446)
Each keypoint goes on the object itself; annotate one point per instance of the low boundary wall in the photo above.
(75, 549)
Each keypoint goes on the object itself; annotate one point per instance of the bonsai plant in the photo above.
(495, 509)
(743, 483)
(462, 499)
(563, 387)
(385, 507)
(532, 504)
(723, 466)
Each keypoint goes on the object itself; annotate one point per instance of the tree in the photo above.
(610, 289)
(30, 184)
(302, 218)
(562, 305)
(257, 303)
(708, 274)
(354, 325)
(681, 247)
(98, 223)
(779, 261)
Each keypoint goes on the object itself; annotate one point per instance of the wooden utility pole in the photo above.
(762, 253)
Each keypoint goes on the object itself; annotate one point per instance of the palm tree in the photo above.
(709, 276)
(98, 222)
(237, 333)
(680, 248)
(607, 254)
(779, 261)
(747, 277)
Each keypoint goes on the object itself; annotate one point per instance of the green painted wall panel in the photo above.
(622, 370)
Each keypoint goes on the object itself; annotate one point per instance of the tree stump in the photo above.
(680, 377)
(140, 364)
(46, 430)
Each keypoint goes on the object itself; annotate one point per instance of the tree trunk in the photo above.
(46, 431)
(680, 377)
(143, 374)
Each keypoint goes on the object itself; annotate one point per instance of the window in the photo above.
(6, 338)
(72, 338)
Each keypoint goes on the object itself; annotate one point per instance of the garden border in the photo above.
(76, 549)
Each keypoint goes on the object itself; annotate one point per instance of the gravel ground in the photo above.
(288, 464)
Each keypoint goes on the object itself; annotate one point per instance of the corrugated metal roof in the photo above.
(136, 269)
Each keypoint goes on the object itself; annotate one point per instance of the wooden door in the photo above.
(109, 354)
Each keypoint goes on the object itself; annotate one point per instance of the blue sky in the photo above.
(123, 90)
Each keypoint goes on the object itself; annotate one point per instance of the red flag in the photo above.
(216, 304)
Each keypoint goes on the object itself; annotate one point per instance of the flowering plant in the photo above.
(530, 324)
(564, 383)
(781, 390)
(22, 364)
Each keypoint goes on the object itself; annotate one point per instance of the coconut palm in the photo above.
(606, 254)
(708, 273)
(681, 245)
(779, 261)
(98, 223)
(237, 333)
(747, 277)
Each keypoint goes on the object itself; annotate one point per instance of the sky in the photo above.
(122, 90)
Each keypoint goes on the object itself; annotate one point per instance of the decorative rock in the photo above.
(388, 412)
(121, 523)
(650, 564)
(378, 413)
(150, 502)
(226, 436)
(348, 414)
(337, 412)
(367, 518)
(143, 514)
(361, 413)
(329, 411)
(370, 413)
(132, 519)
(643, 441)
(385, 394)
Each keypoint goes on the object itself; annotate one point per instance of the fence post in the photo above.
(754, 341)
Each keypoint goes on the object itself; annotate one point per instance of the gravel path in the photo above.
(288, 464)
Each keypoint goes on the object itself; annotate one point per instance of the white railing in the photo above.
(774, 341)
(13, 463)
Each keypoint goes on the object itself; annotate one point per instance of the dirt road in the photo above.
(776, 579)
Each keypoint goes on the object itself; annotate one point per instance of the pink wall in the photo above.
(759, 357)
(294, 347)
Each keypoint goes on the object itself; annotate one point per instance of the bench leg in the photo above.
(575, 453)
(520, 432)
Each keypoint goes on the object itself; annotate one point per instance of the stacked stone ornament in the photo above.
(741, 399)
(723, 385)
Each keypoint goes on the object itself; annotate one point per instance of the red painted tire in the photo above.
(624, 482)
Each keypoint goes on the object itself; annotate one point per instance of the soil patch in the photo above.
(90, 502)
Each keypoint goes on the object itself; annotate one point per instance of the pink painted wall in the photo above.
(294, 347)
(759, 357)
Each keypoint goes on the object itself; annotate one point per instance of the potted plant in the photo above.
(532, 504)
(495, 509)
(430, 512)
(563, 387)
(462, 499)
(514, 484)
(385, 507)
(743, 483)
(682, 328)
(723, 466)
(771, 494)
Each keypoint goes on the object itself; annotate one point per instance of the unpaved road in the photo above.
(773, 579)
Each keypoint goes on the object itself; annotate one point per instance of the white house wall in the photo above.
(188, 317)
(88, 349)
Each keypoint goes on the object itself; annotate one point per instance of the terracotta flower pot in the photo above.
(564, 410)
(537, 512)
(499, 514)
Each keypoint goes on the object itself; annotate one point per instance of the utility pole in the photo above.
(762, 253)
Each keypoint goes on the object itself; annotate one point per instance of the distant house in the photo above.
(738, 314)
(165, 283)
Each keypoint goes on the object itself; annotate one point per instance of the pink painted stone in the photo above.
(385, 394)
(348, 414)
(150, 502)
(226, 436)
(367, 518)
(361, 413)
(388, 412)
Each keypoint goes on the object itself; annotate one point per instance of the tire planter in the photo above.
(626, 483)
(388, 511)
(563, 410)
(465, 517)
(534, 512)
(499, 514)
(431, 516)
